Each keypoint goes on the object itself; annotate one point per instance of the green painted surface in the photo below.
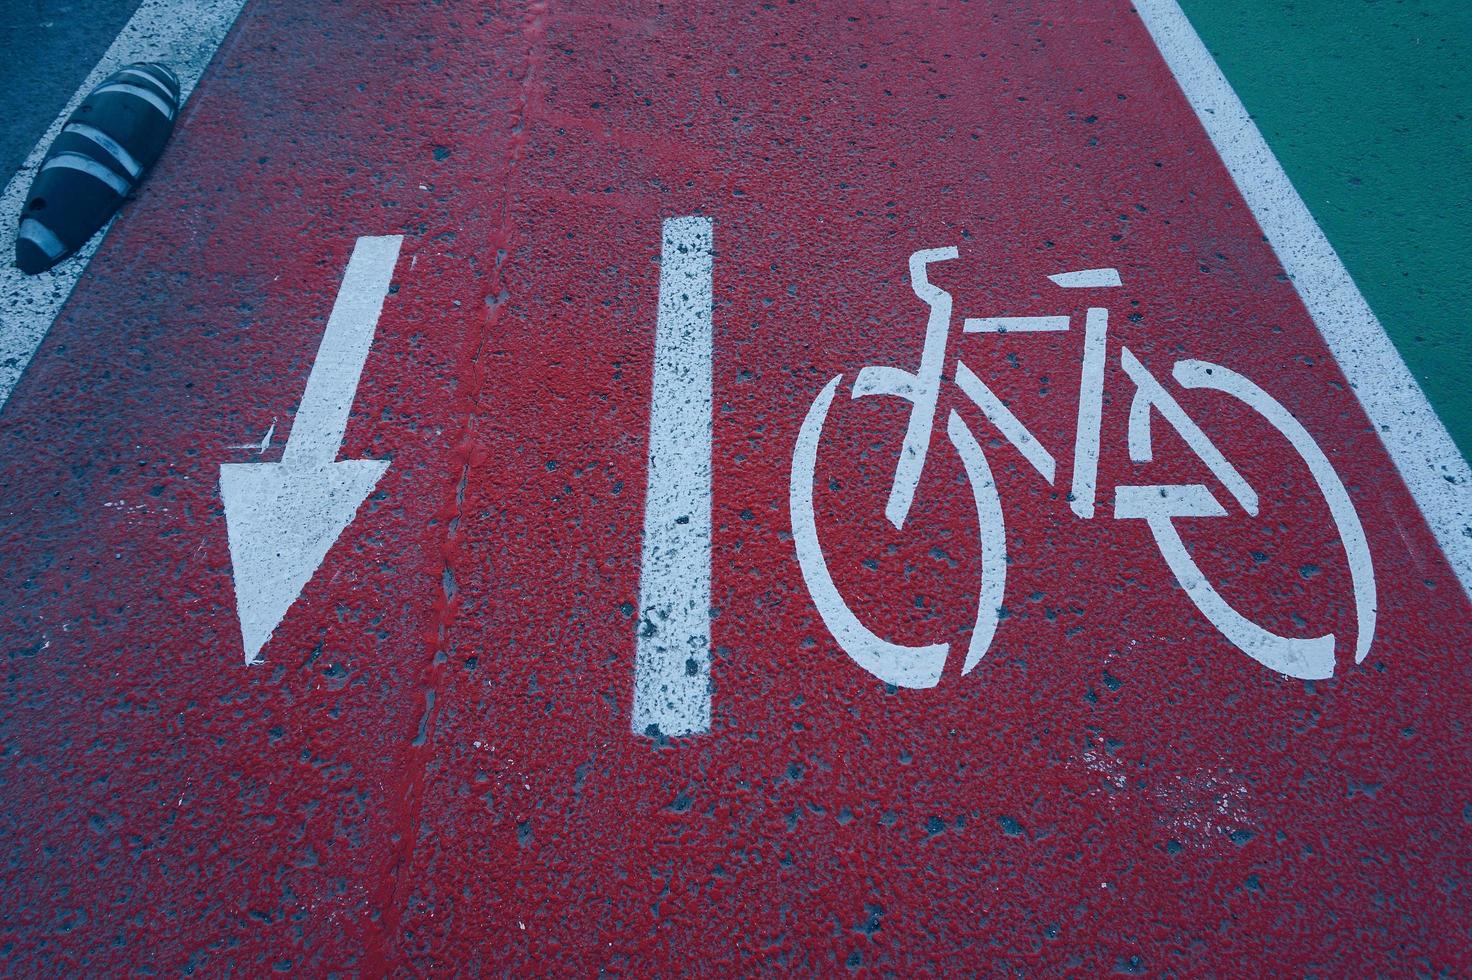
(1368, 106)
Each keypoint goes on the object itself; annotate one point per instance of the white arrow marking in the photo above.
(282, 518)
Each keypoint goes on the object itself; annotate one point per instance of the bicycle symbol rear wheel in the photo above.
(896, 663)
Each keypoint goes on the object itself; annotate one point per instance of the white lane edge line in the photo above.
(1423, 452)
(672, 651)
(184, 33)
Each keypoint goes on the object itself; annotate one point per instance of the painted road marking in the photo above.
(1014, 324)
(1090, 412)
(900, 664)
(444, 756)
(906, 665)
(182, 33)
(920, 667)
(998, 414)
(282, 518)
(919, 389)
(672, 655)
(1429, 462)
(1086, 279)
(1310, 658)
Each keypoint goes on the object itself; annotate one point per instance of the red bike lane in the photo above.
(436, 767)
(168, 805)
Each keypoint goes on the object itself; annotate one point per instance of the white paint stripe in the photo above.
(109, 145)
(672, 656)
(322, 418)
(1086, 279)
(1434, 471)
(1090, 413)
(90, 167)
(1007, 423)
(993, 540)
(1013, 324)
(184, 33)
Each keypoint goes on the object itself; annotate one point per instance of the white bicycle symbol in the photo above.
(1158, 505)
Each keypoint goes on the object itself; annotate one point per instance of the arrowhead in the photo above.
(282, 518)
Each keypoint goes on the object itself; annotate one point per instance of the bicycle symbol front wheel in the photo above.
(1309, 658)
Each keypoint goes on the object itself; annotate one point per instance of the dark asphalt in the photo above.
(47, 47)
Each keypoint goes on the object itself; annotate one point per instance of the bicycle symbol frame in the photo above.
(1158, 505)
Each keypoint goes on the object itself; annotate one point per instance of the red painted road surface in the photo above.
(433, 767)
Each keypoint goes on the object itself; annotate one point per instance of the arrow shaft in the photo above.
(317, 431)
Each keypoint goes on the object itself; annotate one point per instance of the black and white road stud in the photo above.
(97, 159)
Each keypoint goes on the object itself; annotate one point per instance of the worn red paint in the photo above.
(1115, 787)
